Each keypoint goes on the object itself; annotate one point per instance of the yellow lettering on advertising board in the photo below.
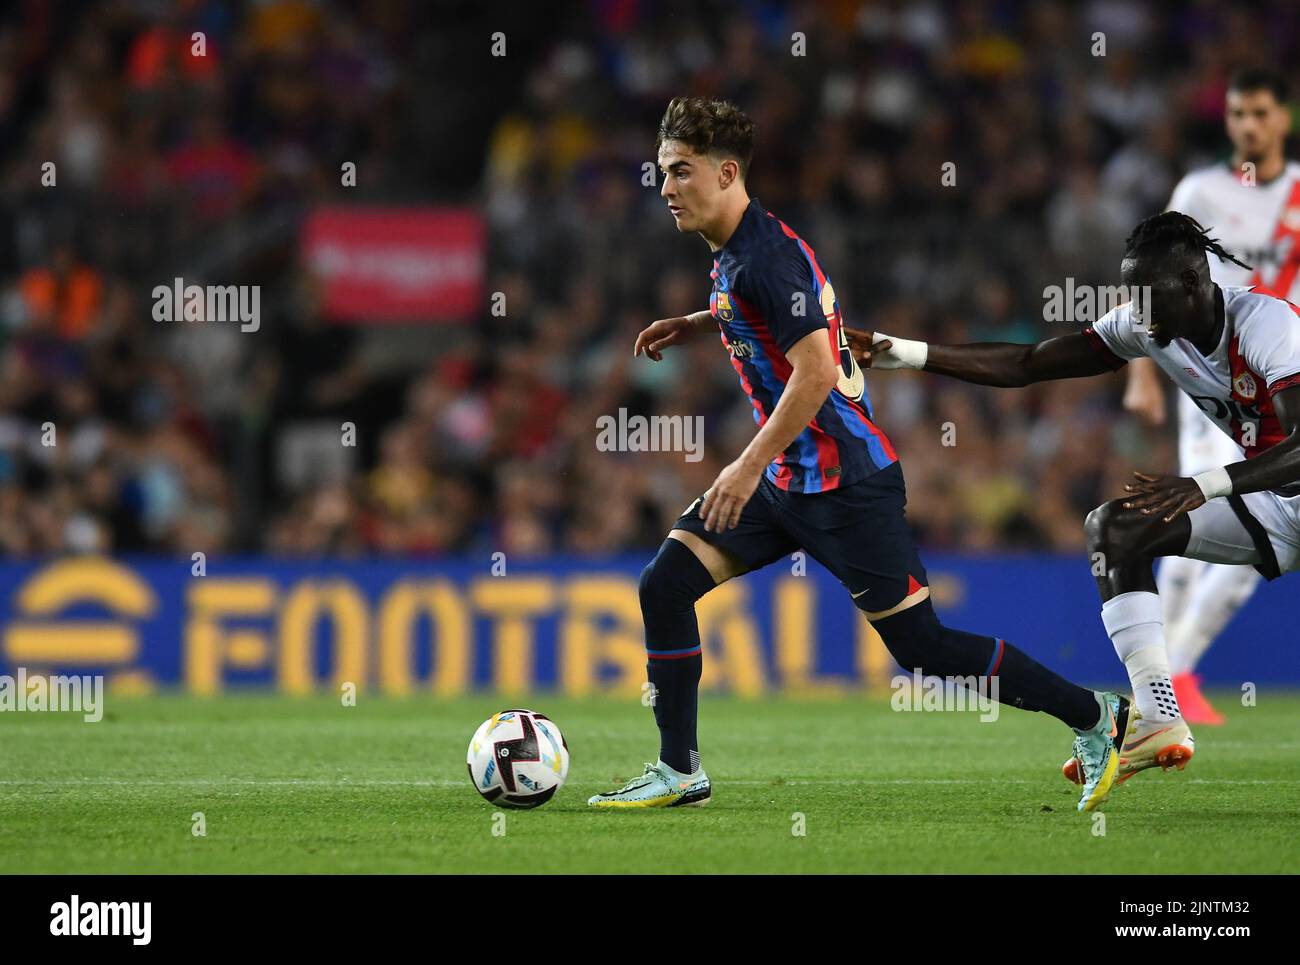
(343, 604)
(206, 644)
(585, 648)
(513, 601)
(733, 658)
(875, 665)
(794, 639)
(67, 582)
(450, 619)
(247, 624)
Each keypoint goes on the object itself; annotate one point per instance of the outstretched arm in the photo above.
(669, 331)
(988, 363)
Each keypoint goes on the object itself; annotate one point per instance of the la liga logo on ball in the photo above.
(518, 759)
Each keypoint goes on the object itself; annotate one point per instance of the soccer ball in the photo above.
(518, 759)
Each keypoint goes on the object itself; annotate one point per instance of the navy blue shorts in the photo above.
(858, 532)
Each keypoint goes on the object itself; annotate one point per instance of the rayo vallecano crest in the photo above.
(1244, 386)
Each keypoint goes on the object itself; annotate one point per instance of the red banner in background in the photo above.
(397, 264)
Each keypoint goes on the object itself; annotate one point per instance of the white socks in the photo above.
(1135, 624)
(695, 759)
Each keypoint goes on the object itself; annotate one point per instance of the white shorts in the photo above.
(1202, 445)
(1220, 534)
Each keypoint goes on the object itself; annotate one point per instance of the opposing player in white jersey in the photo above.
(1252, 204)
(1236, 352)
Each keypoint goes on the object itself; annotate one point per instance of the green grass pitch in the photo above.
(293, 785)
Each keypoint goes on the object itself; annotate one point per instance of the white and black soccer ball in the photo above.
(518, 759)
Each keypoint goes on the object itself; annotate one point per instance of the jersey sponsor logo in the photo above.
(741, 349)
(1253, 427)
(1226, 410)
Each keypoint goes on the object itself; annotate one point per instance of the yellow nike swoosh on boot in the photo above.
(1103, 786)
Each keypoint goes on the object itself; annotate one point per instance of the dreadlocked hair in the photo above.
(1169, 229)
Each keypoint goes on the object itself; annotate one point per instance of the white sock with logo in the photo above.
(681, 775)
(1135, 623)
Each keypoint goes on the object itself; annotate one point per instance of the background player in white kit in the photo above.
(1237, 353)
(1252, 204)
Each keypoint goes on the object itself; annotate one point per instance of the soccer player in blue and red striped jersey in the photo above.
(819, 475)
(769, 292)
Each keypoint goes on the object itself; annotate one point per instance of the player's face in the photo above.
(1257, 124)
(690, 186)
(1167, 305)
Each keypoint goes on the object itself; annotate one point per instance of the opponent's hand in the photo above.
(661, 334)
(870, 354)
(1166, 496)
(728, 495)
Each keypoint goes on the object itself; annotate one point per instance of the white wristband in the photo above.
(902, 353)
(1214, 483)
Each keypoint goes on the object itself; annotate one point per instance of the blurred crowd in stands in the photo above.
(1064, 123)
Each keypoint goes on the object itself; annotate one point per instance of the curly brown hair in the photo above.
(709, 127)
